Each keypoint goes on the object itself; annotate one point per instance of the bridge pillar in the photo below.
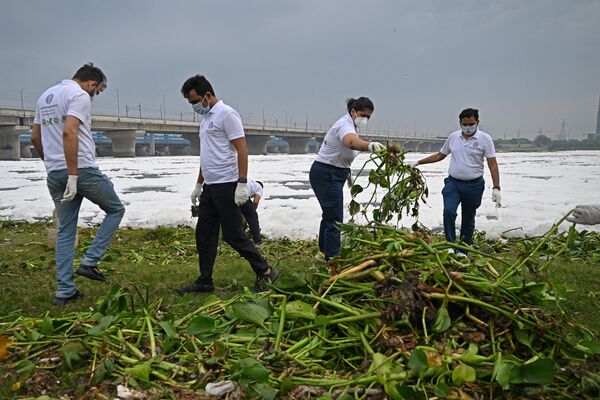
(411, 145)
(10, 145)
(194, 139)
(26, 151)
(123, 142)
(313, 146)
(423, 147)
(298, 145)
(180, 150)
(257, 144)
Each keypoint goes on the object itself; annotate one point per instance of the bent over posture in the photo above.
(62, 136)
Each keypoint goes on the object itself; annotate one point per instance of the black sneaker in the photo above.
(196, 288)
(91, 273)
(61, 301)
(262, 282)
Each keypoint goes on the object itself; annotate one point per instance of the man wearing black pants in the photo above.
(221, 186)
(248, 209)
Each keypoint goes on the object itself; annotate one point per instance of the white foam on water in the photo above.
(537, 190)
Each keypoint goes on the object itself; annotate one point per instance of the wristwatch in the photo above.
(496, 187)
(243, 179)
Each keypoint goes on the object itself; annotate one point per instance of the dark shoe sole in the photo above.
(265, 281)
(185, 290)
(88, 273)
(61, 301)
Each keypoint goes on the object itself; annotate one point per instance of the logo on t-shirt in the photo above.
(49, 98)
(210, 125)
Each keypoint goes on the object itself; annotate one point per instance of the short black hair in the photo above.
(89, 72)
(360, 104)
(261, 184)
(199, 83)
(469, 113)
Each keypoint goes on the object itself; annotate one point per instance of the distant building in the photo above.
(598, 120)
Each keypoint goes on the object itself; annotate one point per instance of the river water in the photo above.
(537, 190)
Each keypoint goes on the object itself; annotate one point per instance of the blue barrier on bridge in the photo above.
(100, 138)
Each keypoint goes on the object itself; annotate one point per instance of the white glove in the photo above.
(588, 214)
(375, 147)
(496, 198)
(70, 190)
(413, 164)
(196, 194)
(241, 193)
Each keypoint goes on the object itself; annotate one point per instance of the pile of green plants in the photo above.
(395, 316)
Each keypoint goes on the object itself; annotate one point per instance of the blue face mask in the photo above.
(200, 109)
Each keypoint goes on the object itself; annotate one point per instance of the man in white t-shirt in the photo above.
(465, 185)
(221, 187)
(248, 209)
(62, 136)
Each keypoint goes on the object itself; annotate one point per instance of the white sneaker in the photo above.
(460, 254)
(320, 257)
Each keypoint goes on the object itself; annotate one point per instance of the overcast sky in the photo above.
(526, 64)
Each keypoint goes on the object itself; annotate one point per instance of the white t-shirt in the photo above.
(218, 157)
(333, 151)
(254, 188)
(51, 110)
(466, 162)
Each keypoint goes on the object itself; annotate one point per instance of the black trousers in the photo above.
(217, 209)
(249, 212)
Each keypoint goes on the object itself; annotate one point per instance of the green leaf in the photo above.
(201, 324)
(251, 368)
(265, 391)
(25, 366)
(591, 346)
(141, 371)
(355, 189)
(539, 372)
(47, 326)
(299, 310)
(442, 320)
(463, 373)
(442, 390)
(523, 337)
(104, 323)
(72, 352)
(503, 373)
(250, 312)
(418, 361)
(353, 208)
(169, 329)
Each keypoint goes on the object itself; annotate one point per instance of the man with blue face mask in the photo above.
(464, 185)
(221, 187)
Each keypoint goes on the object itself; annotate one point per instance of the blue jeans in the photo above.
(328, 182)
(97, 188)
(468, 194)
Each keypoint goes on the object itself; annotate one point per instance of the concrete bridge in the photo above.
(123, 132)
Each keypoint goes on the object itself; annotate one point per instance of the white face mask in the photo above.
(360, 122)
(200, 109)
(469, 129)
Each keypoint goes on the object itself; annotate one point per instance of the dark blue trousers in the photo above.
(328, 182)
(468, 194)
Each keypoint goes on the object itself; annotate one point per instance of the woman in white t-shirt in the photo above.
(332, 167)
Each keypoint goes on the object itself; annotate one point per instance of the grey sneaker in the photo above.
(262, 282)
